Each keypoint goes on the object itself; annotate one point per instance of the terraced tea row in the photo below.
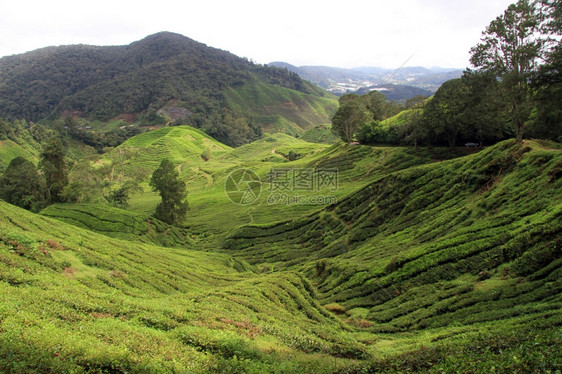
(433, 244)
(73, 300)
(119, 223)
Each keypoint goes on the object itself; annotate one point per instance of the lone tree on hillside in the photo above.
(165, 180)
(53, 166)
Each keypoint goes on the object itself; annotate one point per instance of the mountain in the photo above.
(396, 92)
(165, 77)
(340, 81)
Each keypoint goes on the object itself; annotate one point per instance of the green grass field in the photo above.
(426, 260)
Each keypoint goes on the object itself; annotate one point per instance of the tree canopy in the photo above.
(21, 185)
(165, 180)
(356, 112)
(511, 48)
(445, 113)
(53, 166)
(515, 89)
(351, 114)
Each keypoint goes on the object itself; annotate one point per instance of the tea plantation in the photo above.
(425, 260)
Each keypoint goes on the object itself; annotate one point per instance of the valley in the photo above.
(397, 84)
(170, 207)
(428, 261)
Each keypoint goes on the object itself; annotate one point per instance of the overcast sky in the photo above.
(342, 33)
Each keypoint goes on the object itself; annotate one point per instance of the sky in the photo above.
(342, 33)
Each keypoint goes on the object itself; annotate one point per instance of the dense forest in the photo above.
(100, 83)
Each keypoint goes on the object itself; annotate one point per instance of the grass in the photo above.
(428, 261)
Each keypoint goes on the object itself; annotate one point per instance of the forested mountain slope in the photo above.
(144, 79)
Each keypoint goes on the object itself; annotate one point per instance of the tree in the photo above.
(165, 180)
(372, 133)
(232, 127)
(351, 114)
(120, 197)
(484, 119)
(511, 47)
(376, 104)
(413, 130)
(415, 102)
(548, 81)
(21, 185)
(548, 123)
(53, 166)
(445, 113)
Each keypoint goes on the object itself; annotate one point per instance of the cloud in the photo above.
(346, 34)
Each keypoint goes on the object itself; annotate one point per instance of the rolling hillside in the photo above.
(280, 110)
(119, 223)
(427, 261)
(94, 304)
(481, 233)
(211, 212)
(10, 150)
(20, 139)
(178, 143)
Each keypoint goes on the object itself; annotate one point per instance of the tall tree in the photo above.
(351, 114)
(510, 48)
(53, 166)
(484, 119)
(413, 130)
(445, 113)
(376, 104)
(165, 180)
(548, 81)
(548, 123)
(21, 185)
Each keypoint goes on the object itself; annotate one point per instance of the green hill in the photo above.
(211, 212)
(10, 150)
(481, 233)
(20, 139)
(473, 242)
(119, 223)
(278, 109)
(75, 301)
(178, 143)
(161, 79)
(320, 134)
(425, 262)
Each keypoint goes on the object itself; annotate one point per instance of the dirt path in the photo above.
(207, 176)
(274, 152)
